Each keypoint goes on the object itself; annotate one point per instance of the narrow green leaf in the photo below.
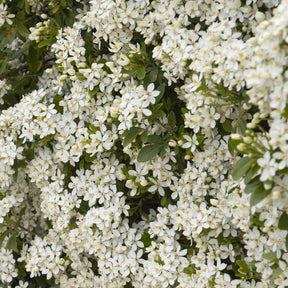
(68, 18)
(45, 42)
(22, 211)
(81, 164)
(283, 221)
(286, 242)
(55, 9)
(172, 119)
(149, 152)
(241, 167)
(160, 88)
(3, 65)
(33, 58)
(27, 7)
(46, 139)
(21, 28)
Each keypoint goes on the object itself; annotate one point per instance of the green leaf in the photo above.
(68, 18)
(163, 201)
(18, 52)
(258, 196)
(33, 58)
(2, 236)
(159, 261)
(141, 71)
(27, 7)
(10, 221)
(232, 145)
(149, 152)
(241, 167)
(146, 239)
(172, 119)
(81, 164)
(144, 136)
(21, 28)
(243, 266)
(12, 243)
(45, 42)
(254, 185)
(283, 221)
(131, 134)
(227, 126)
(285, 112)
(22, 211)
(94, 91)
(56, 100)
(190, 270)
(242, 125)
(157, 111)
(270, 256)
(20, 15)
(160, 88)
(153, 75)
(286, 243)
(55, 9)
(154, 139)
(3, 65)
(30, 152)
(46, 139)
(256, 221)
(277, 272)
(251, 173)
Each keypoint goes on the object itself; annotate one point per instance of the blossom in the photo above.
(268, 166)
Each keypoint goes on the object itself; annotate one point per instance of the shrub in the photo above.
(143, 143)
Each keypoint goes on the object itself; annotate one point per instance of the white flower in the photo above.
(268, 166)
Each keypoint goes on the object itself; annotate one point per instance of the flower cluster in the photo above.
(150, 148)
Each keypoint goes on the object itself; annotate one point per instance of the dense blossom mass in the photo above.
(152, 148)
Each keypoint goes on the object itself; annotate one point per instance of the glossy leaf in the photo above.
(12, 243)
(131, 134)
(241, 167)
(258, 196)
(148, 152)
(283, 221)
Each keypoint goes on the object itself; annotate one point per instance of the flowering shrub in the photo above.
(144, 143)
